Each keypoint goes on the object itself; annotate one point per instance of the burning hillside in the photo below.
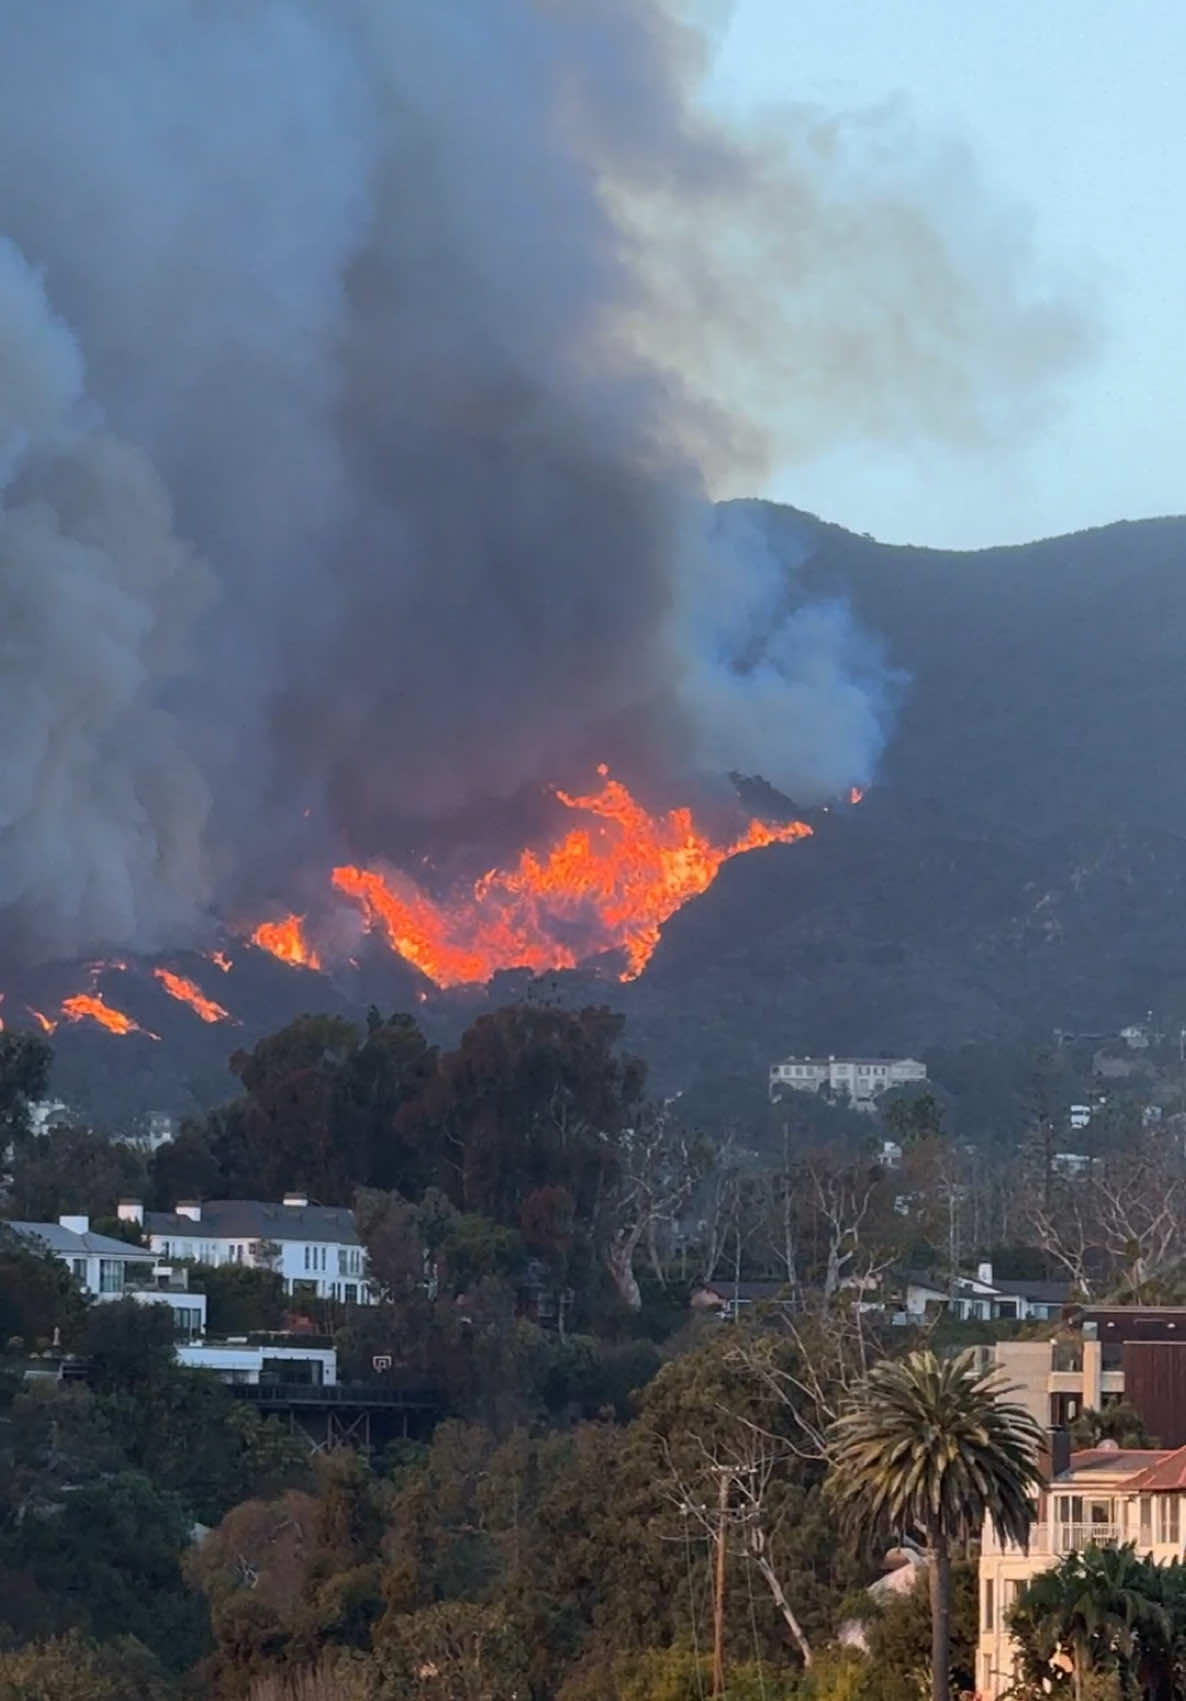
(603, 887)
(608, 886)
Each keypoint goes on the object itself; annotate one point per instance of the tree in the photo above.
(25, 1061)
(72, 1170)
(932, 1447)
(72, 1668)
(1101, 1607)
(38, 1294)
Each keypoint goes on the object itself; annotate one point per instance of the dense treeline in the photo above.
(536, 1227)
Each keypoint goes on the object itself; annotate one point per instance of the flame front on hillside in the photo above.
(189, 992)
(286, 939)
(607, 887)
(91, 1006)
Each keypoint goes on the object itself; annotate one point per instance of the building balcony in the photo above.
(1047, 1539)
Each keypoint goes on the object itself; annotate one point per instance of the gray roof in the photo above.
(257, 1219)
(1041, 1293)
(69, 1244)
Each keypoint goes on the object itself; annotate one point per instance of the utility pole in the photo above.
(718, 1593)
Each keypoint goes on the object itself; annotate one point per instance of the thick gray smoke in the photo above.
(364, 371)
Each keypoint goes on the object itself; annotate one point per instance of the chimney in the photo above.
(984, 1274)
(76, 1225)
(189, 1208)
(1058, 1442)
(130, 1211)
(296, 1201)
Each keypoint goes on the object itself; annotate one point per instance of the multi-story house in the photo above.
(1133, 1353)
(1107, 1495)
(315, 1249)
(110, 1269)
(861, 1080)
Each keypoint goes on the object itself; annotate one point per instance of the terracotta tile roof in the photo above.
(1168, 1473)
(1136, 1459)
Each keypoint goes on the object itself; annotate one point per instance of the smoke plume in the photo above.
(365, 372)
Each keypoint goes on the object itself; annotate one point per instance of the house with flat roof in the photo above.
(315, 1249)
(861, 1080)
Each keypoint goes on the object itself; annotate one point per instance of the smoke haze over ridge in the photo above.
(365, 373)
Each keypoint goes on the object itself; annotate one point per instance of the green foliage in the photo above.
(1119, 1422)
(38, 1294)
(72, 1170)
(25, 1061)
(130, 1346)
(677, 1674)
(1116, 1617)
(898, 1638)
(929, 1446)
(73, 1668)
(240, 1300)
(117, 1544)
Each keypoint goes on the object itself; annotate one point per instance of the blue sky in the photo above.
(1073, 110)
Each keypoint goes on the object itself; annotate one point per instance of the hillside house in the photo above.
(1106, 1495)
(315, 1249)
(110, 1269)
(983, 1298)
(860, 1080)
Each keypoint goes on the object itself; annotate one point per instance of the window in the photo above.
(986, 1672)
(988, 1605)
(111, 1275)
(1167, 1518)
(78, 1265)
(351, 1293)
(343, 1260)
(308, 1255)
(1146, 1520)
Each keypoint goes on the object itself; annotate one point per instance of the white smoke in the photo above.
(429, 327)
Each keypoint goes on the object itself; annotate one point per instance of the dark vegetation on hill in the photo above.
(1020, 863)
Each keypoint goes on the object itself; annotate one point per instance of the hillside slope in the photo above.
(1019, 864)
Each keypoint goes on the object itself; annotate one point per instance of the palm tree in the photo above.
(932, 1446)
(1102, 1606)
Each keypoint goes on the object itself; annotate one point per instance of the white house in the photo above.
(240, 1361)
(314, 1248)
(983, 1297)
(861, 1080)
(108, 1269)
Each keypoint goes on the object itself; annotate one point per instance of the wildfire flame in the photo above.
(221, 961)
(610, 886)
(91, 1005)
(286, 939)
(189, 992)
(856, 794)
(44, 1022)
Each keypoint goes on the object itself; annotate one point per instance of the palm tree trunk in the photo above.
(940, 1585)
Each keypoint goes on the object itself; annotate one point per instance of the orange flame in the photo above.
(45, 1023)
(856, 794)
(286, 940)
(189, 992)
(92, 1005)
(608, 887)
(221, 961)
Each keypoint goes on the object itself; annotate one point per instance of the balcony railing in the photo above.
(1063, 1538)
